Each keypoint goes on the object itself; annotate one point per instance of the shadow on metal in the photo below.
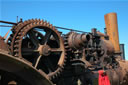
(23, 70)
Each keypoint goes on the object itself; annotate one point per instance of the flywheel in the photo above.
(41, 44)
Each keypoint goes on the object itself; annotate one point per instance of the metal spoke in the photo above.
(29, 50)
(34, 38)
(37, 61)
(56, 50)
(47, 37)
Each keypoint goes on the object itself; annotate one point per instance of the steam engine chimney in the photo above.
(112, 30)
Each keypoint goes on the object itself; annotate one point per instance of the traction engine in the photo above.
(37, 53)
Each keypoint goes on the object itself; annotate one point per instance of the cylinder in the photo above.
(112, 30)
(77, 41)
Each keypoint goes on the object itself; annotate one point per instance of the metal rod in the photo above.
(8, 22)
(17, 19)
(69, 29)
(55, 26)
(5, 26)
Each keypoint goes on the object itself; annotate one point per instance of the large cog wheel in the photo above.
(42, 45)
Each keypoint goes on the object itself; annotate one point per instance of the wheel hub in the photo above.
(44, 50)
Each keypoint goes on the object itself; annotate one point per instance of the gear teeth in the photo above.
(66, 54)
(36, 19)
(66, 46)
(45, 23)
(18, 37)
(16, 55)
(19, 34)
(53, 27)
(33, 24)
(42, 21)
(16, 46)
(57, 31)
(69, 49)
(17, 41)
(65, 43)
(50, 25)
(66, 37)
(38, 23)
(39, 20)
(16, 50)
(65, 59)
(29, 20)
(25, 21)
(62, 67)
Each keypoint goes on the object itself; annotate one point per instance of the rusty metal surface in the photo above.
(124, 72)
(3, 45)
(112, 29)
(108, 46)
(102, 35)
(76, 40)
(119, 76)
(23, 69)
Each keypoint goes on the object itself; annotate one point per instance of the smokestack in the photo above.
(112, 30)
